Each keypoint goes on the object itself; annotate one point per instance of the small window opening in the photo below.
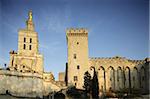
(110, 79)
(24, 46)
(75, 84)
(30, 40)
(30, 47)
(24, 39)
(75, 78)
(75, 56)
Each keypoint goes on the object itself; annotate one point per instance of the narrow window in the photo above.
(24, 39)
(75, 78)
(30, 47)
(75, 84)
(30, 40)
(78, 67)
(24, 46)
(74, 56)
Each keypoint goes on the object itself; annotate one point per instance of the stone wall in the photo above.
(25, 84)
(121, 74)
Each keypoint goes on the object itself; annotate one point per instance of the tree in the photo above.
(95, 86)
(87, 82)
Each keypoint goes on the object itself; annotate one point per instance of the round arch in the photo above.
(119, 79)
(135, 78)
(101, 78)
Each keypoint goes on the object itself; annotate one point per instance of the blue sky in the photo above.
(116, 27)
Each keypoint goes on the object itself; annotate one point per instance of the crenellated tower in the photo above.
(77, 41)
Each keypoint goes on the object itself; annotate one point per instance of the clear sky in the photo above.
(116, 27)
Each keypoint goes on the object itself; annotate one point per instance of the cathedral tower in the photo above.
(28, 57)
(77, 41)
(28, 38)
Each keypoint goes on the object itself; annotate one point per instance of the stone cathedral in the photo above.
(115, 74)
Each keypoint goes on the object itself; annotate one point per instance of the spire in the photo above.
(29, 22)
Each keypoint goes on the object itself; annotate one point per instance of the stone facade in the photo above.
(114, 73)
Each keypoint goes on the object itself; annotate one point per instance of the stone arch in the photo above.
(110, 79)
(101, 78)
(134, 78)
(142, 78)
(119, 78)
(127, 78)
(91, 71)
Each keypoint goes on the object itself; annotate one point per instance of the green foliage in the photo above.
(95, 86)
(87, 82)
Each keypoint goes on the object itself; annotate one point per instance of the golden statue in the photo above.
(30, 15)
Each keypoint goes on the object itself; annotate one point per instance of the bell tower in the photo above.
(28, 38)
(27, 58)
(77, 41)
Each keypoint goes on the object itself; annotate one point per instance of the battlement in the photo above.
(114, 58)
(77, 31)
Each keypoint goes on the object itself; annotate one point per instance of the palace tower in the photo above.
(114, 73)
(77, 40)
